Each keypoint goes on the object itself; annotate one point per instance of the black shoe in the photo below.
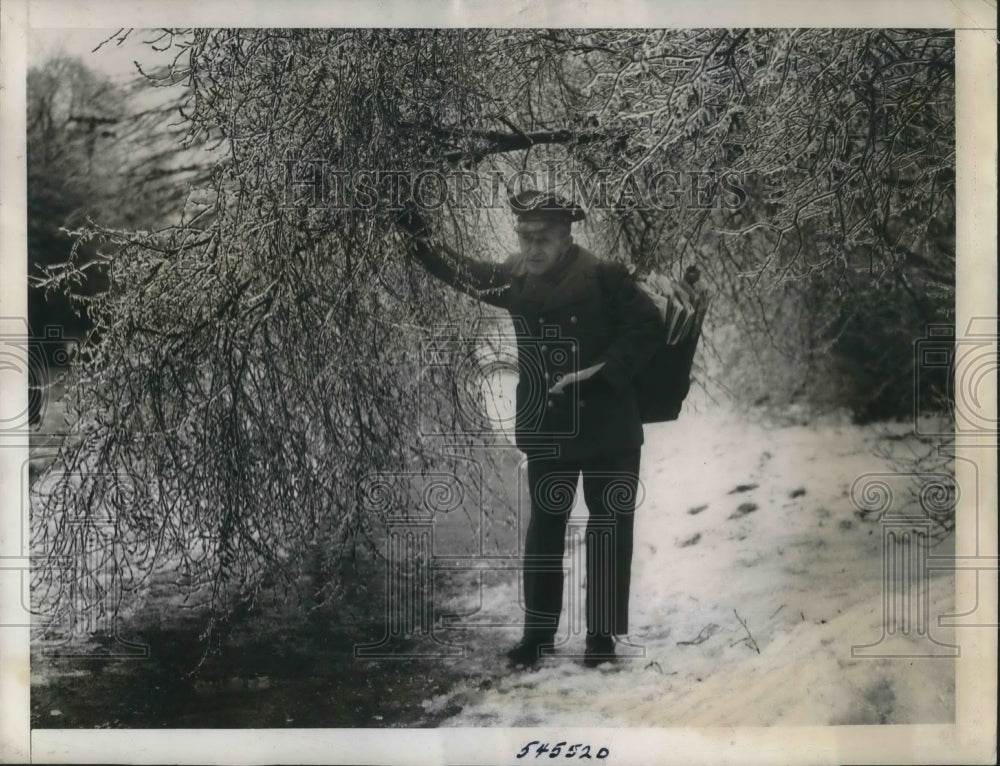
(527, 652)
(599, 649)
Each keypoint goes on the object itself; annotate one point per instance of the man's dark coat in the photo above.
(579, 313)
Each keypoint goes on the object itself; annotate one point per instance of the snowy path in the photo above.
(737, 519)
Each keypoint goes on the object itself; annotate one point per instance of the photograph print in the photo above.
(492, 377)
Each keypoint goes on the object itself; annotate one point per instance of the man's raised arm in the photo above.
(484, 280)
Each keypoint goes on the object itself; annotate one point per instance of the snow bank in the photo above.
(739, 522)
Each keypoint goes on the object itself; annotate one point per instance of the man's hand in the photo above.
(575, 377)
(412, 222)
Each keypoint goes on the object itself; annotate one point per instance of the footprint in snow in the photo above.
(743, 510)
(742, 488)
(697, 509)
(693, 540)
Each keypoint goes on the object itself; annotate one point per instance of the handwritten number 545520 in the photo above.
(573, 751)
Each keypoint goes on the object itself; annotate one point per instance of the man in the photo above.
(584, 331)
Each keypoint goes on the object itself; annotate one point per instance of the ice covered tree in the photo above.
(258, 361)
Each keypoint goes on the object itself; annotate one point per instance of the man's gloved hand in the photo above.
(414, 223)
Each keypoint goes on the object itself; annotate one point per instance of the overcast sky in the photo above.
(116, 61)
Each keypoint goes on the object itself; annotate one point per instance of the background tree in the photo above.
(259, 363)
(92, 156)
(71, 117)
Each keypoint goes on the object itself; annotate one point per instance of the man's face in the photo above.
(541, 245)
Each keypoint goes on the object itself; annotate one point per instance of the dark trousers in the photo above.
(610, 484)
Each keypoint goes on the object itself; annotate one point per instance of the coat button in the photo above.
(550, 403)
(541, 320)
(572, 319)
(543, 348)
(545, 375)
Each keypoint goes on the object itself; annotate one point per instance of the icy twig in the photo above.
(749, 640)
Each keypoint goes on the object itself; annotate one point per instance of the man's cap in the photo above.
(535, 209)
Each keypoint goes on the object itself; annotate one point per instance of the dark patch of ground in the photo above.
(743, 510)
(277, 666)
(304, 675)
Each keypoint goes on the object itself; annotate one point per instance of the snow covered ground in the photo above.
(740, 522)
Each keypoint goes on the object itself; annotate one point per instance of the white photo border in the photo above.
(973, 737)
